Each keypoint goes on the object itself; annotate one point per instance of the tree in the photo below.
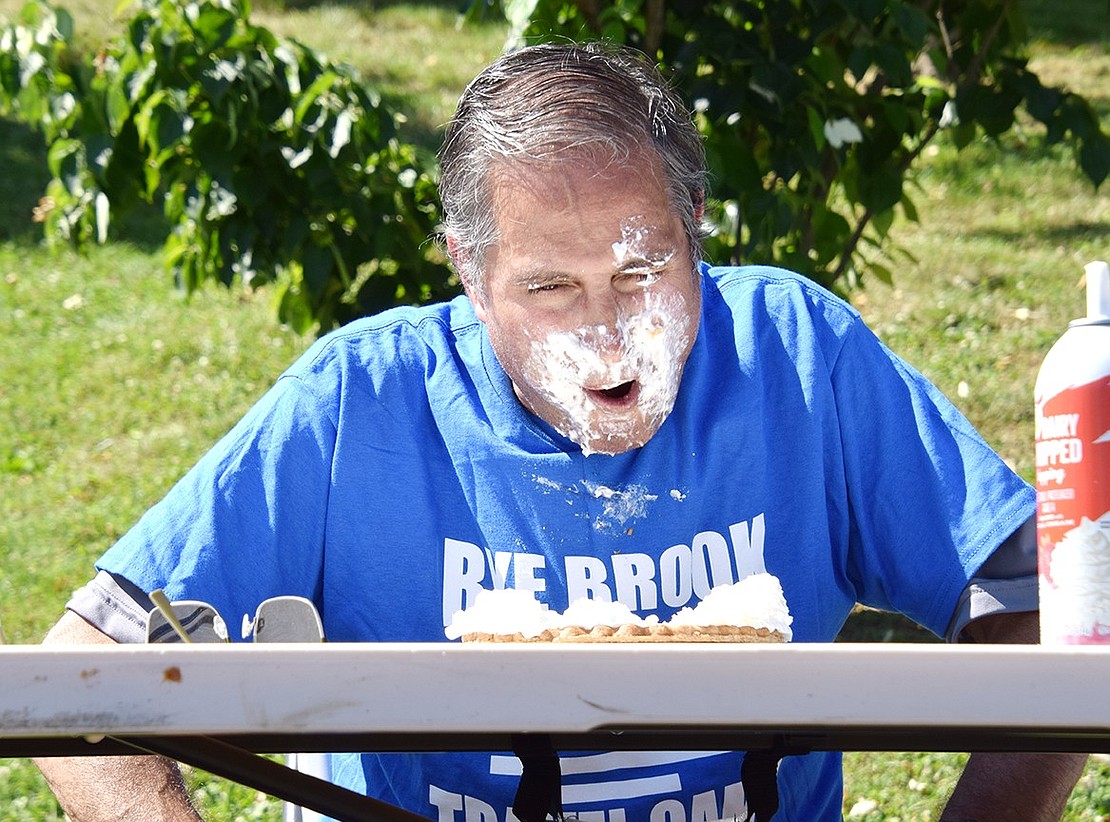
(271, 164)
(275, 166)
(814, 112)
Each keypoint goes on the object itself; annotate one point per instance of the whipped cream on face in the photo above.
(756, 601)
(632, 245)
(1080, 570)
(644, 347)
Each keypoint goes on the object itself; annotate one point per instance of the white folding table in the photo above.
(208, 705)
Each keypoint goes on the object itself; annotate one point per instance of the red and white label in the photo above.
(1073, 514)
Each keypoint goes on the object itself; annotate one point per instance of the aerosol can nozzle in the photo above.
(1098, 290)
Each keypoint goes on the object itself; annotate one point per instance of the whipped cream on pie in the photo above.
(752, 610)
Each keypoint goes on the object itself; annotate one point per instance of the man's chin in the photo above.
(601, 430)
(613, 437)
(609, 449)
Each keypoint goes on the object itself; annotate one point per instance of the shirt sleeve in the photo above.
(114, 606)
(929, 500)
(248, 521)
(1006, 583)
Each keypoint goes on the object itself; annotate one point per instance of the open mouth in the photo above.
(621, 394)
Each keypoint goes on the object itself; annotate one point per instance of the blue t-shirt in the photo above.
(392, 464)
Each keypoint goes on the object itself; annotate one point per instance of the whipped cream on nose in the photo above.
(607, 341)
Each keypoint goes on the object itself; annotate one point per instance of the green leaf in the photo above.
(816, 127)
(826, 66)
(221, 76)
(214, 24)
(963, 134)
(60, 155)
(318, 264)
(912, 22)
(898, 116)
(135, 83)
(310, 99)
(927, 81)
(1094, 158)
(117, 107)
(881, 189)
(293, 309)
(882, 272)
(144, 117)
(894, 62)
(210, 140)
(860, 60)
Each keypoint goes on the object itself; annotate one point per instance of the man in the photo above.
(600, 416)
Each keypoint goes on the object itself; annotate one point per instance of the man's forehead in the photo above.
(633, 243)
(573, 170)
(567, 217)
(579, 202)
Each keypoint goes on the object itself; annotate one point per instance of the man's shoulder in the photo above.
(764, 277)
(777, 289)
(394, 336)
(432, 322)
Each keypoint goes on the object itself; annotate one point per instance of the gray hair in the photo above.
(553, 102)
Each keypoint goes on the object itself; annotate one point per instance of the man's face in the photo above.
(590, 298)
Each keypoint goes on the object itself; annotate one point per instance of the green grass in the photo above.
(112, 385)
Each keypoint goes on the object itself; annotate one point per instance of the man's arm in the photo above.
(996, 787)
(96, 788)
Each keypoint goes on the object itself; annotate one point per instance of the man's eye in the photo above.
(544, 288)
(642, 278)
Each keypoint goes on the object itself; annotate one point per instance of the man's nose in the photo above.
(603, 326)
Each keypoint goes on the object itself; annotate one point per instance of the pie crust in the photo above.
(640, 633)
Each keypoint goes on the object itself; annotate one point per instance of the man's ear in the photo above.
(699, 206)
(478, 301)
(456, 255)
(460, 259)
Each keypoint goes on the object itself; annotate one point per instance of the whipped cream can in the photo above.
(1072, 404)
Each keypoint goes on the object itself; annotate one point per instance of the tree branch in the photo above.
(655, 16)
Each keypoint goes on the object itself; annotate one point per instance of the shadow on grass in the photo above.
(1075, 23)
(1056, 235)
(866, 625)
(26, 174)
(23, 159)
